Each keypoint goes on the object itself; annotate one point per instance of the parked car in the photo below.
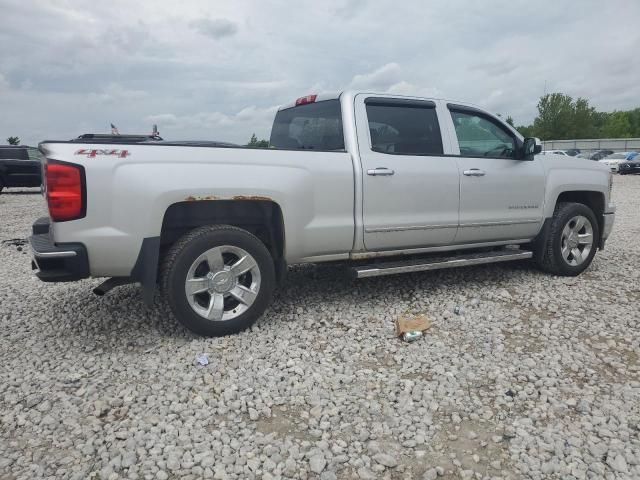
(379, 181)
(600, 154)
(18, 168)
(629, 166)
(613, 160)
(555, 152)
(572, 152)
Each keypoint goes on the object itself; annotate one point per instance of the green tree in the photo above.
(13, 141)
(526, 131)
(599, 120)
(634, 120)
(510, 120)
(555, 115)
(254, 142)
(560, 117)
(583, 124)
(617, 125)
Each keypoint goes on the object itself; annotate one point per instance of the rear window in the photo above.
(314, 126)
(14, 154)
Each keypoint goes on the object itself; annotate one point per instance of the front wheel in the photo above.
(572, 241)
(218, 280)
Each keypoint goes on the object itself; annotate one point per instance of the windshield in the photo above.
(314, 126)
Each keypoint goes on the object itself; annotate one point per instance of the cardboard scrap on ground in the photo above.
(417, 323)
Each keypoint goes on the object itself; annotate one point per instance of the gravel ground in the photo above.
(537, 377)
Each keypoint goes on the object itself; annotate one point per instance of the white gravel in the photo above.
(537, 377)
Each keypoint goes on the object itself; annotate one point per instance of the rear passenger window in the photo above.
(403, 127)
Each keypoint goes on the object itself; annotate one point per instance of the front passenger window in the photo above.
(481, 137)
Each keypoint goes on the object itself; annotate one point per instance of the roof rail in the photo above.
(111, 138)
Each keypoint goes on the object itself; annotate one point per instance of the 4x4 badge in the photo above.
(91, 153)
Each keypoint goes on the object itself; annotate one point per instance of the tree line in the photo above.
(560, 117)
(255, 143)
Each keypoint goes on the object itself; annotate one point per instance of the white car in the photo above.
(613, 160)
(555, 152)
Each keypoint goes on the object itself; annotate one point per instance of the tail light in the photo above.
(66, 195)
(305, 100)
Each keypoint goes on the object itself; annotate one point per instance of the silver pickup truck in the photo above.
(385, 183)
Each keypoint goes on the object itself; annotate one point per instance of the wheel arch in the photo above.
(595, 200)
(260, 216)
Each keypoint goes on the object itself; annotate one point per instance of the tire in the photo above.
(567, 251)
(222, 301)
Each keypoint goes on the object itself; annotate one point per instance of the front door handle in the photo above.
(380, 171)
(474, 172)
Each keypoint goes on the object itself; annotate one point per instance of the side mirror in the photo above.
(531, 147)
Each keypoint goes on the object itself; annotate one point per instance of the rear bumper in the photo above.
(64, 262)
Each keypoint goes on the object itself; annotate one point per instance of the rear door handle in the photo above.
(474, 172)
(380, 171)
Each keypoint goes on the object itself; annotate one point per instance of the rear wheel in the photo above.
(218, 280)
(572, 241)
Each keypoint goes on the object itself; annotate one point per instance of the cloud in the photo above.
(4, 83)
(495, 68)
(215, 28)
(72, 67)
(167, 119)
(116, 94)
(388, 79)
(250, 119)
(409, 89)
(380, 79)
(350, 8)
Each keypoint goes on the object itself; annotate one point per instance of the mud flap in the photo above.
(145, 271)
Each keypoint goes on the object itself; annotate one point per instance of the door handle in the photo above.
(474, 172)
(380, 172)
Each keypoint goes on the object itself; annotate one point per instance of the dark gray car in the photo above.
(18, 168)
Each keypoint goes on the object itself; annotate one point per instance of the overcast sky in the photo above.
(218, 69)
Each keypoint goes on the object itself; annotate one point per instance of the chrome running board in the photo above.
(422, 264)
